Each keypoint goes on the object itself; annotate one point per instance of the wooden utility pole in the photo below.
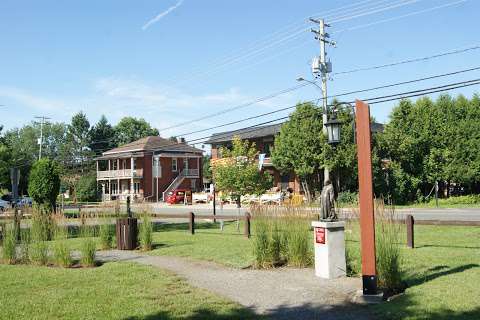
(365, 181)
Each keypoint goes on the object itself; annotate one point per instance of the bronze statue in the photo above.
(327, 199)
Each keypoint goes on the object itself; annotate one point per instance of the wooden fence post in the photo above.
(409, 222)
(191, 223)
(247, 225)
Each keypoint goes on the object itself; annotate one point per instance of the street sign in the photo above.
(320, 235)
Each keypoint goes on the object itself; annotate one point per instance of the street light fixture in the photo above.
(333, 130)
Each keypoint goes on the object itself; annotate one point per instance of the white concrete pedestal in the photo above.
(329, 241)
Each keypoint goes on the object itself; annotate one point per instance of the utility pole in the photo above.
(320, 69)
(40, 140)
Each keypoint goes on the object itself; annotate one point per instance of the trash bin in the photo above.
(188, 198)
(127, 232)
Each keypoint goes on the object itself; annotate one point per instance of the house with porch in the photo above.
(263, 137)
(149, 168)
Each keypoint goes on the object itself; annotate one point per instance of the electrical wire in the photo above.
(435, 56)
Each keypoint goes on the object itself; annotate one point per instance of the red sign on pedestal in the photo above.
(320, 235)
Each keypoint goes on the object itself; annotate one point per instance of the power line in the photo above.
(400, 17)
(373, 11)
(457, 51)
(335, 96)
(373, 100)
(292, 32)
(311, 101)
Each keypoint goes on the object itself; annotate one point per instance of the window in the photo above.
(114, 165)
(185, 163)
(136, 187)
(174, 165)
(134, 164)
(124, 164)
(193, 184)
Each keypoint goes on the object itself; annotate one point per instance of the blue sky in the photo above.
(171, 61)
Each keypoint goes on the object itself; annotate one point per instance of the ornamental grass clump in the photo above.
(25, 242)
(261, 242)
(146, 233)
(9, 253)
(388, 251)
(282, 235)
(40, 233)
(61, 249)
(106, 231)
(87, 248)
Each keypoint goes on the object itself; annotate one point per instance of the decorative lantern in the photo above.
(333, 130)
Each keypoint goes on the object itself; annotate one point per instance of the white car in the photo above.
(4, 205)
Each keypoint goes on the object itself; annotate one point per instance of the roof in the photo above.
(247, 133)
(263, 131)
(153, 143)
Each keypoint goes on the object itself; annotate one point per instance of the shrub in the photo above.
(86, 188)
(347, 198)
(9, 253)
(146, 231)
(44, 183)
(106, 235)
(87, 248)
(61, 250)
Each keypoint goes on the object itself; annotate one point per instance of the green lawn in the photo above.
(442, 272)
(112, 291)
(228, 247)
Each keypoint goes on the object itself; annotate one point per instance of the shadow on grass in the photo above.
(420, 279)
(204, 226)
(407, 307)
(306, 311)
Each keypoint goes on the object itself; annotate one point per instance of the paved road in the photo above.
(463, 214)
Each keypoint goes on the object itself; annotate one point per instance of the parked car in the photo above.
(24, 202)
(202, 197)
(176, 196)
(4, 205)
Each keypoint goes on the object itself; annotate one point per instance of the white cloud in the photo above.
(161, 15)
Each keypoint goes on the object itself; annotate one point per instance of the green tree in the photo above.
(86, 189)
(207, 168)
(5, 160)
(130, 129)
(237, 173)
(300, 146)
(44, 183)
(78, 139)
(102, 136)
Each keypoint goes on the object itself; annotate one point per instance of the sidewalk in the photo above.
(283, 293)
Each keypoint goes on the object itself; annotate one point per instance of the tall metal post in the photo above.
(365, 181)
(40, 141)
(321, 68)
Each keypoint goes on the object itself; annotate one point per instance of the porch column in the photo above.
(131, 175)
(198, 167)
(108, 164)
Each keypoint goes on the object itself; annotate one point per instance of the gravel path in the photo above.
(283, 293)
